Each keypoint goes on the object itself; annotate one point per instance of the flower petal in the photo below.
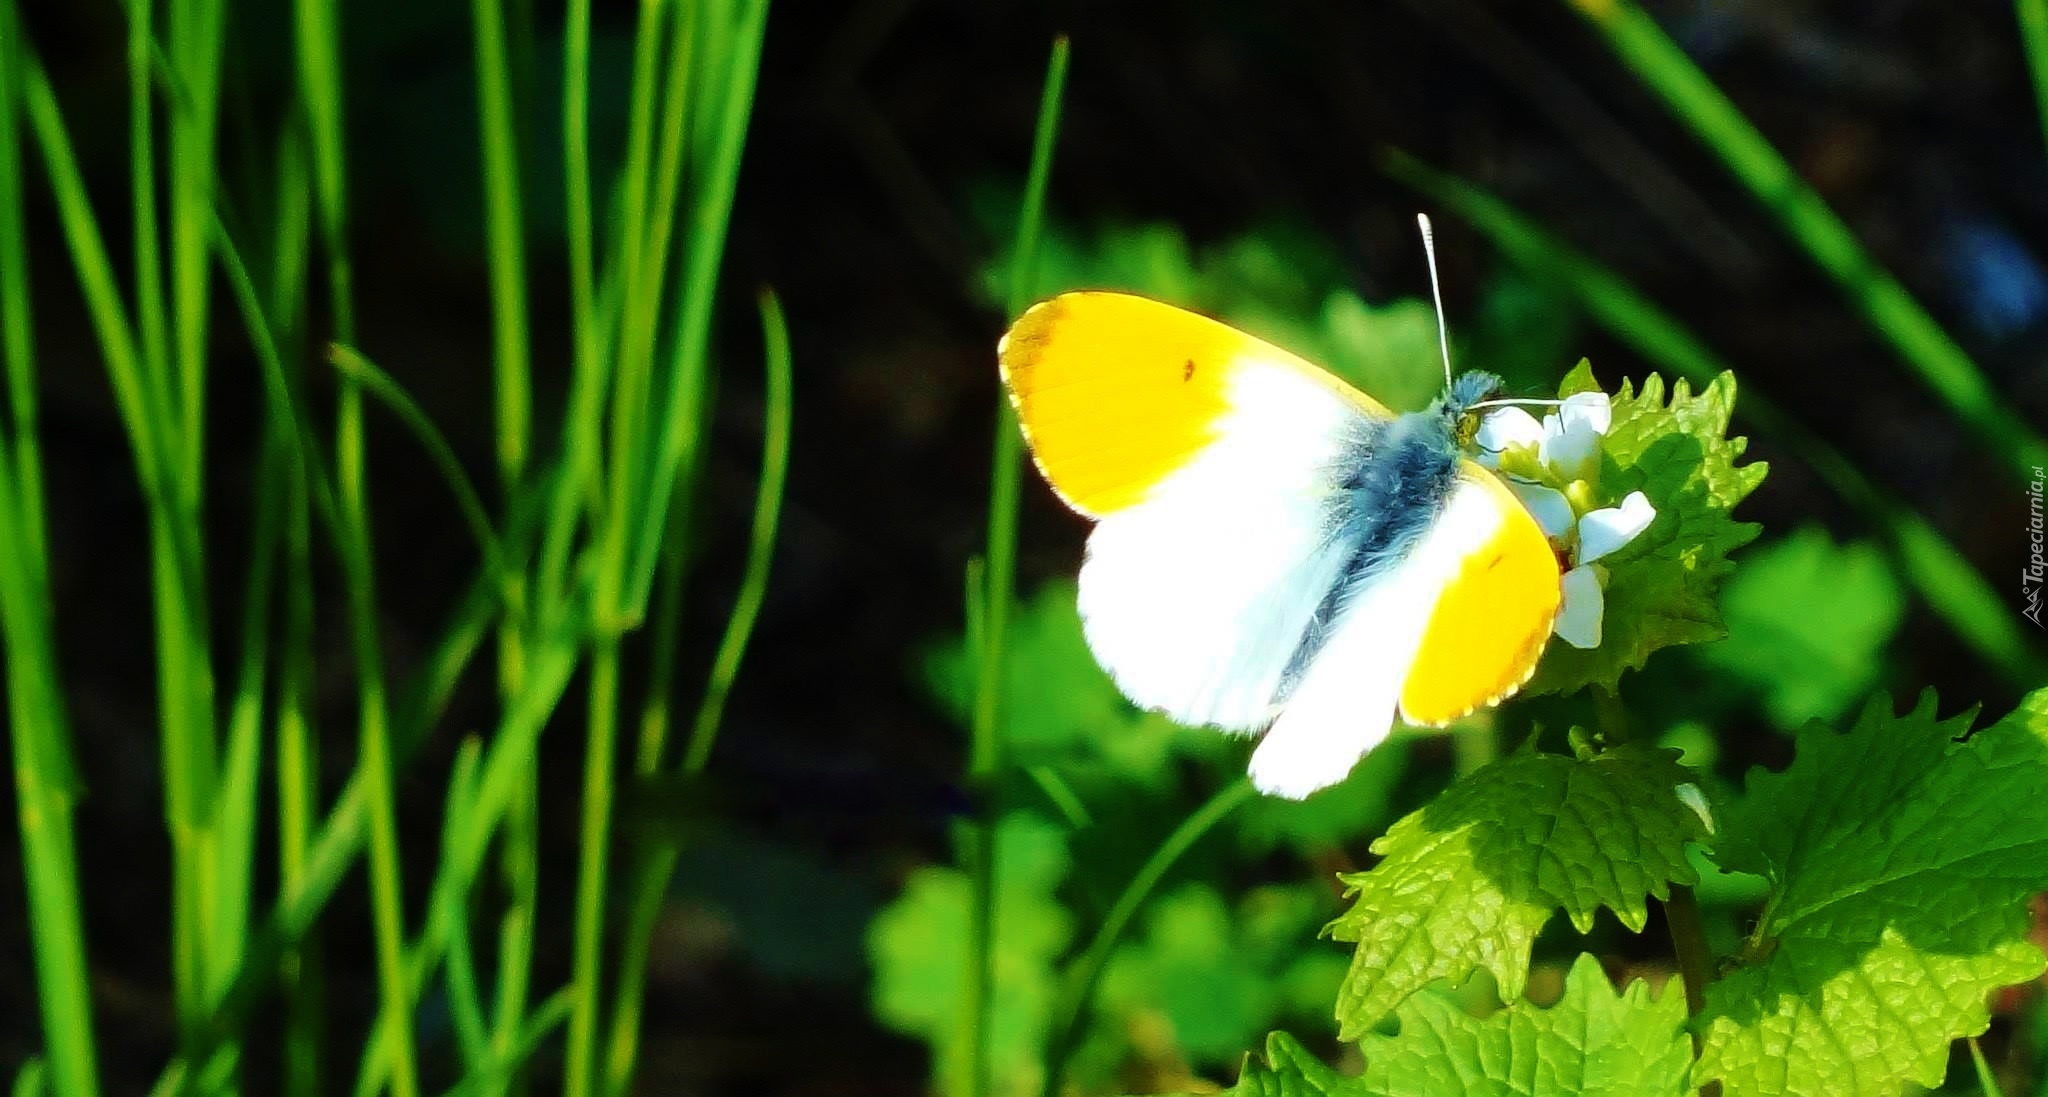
(1504, 429)
(1609, 528)
(1550, 508)
(1578, 620)
(1572, 451)
(1587, 411)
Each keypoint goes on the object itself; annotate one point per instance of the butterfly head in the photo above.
(1457, 405)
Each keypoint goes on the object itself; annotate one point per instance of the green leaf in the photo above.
(1900, 857)
(1661, 586)
(1218, 978)
(1290, 1071)
(918, 946)
(1592, 1043)
(1807, 624)
(1467, 882)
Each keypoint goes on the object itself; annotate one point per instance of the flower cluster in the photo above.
(1554, 467)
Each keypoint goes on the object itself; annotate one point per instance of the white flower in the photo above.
(1578, 619)
(1503, 430)
(1604, 530)
(1549, 506)
(1571, 437)
(1567, 445)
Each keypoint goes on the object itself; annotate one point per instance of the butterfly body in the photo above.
(1274, 549)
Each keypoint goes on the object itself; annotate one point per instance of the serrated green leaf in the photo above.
(1807, 624)
(918, 946)
(1467, 882)
(1900, 857)
(1577, 380)
(1288, 1070)
(1592, 1043)
(1661, 586)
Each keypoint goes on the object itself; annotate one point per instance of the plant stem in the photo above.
(592, 853)
(1079, 988)
(1689, 941)
(985, 750)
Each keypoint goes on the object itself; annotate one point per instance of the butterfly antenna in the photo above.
(1443, 336)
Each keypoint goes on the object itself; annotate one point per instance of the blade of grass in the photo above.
(505, 243)
(240, 776)
(2033, 20)
(656, 864)
(985, 749)
(300, 968)
(195, 34)
(512, 368)
(320, 89)
(149, 278)
(28, 1082)
(354, 365)
(1946, 581)
(17, 328)
(1940, 364)
(505, 1067)
(45, 779)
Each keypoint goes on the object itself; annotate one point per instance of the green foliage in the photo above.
(1661, 586)
(1289, 1070)
(1467, 882)
(1900, 856)
(918, 945)
(1592, 1043)
(1218, 977)
(1807, 624)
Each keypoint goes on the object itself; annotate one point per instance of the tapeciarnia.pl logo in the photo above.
(2037, 566)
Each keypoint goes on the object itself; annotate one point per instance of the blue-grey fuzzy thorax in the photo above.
(1397, 476)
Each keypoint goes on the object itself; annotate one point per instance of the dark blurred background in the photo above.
(885, 131)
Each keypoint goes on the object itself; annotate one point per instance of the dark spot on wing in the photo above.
(1187, 372)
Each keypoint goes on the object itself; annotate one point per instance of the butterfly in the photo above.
(1273, 549)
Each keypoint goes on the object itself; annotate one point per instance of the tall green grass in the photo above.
(578, 550)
